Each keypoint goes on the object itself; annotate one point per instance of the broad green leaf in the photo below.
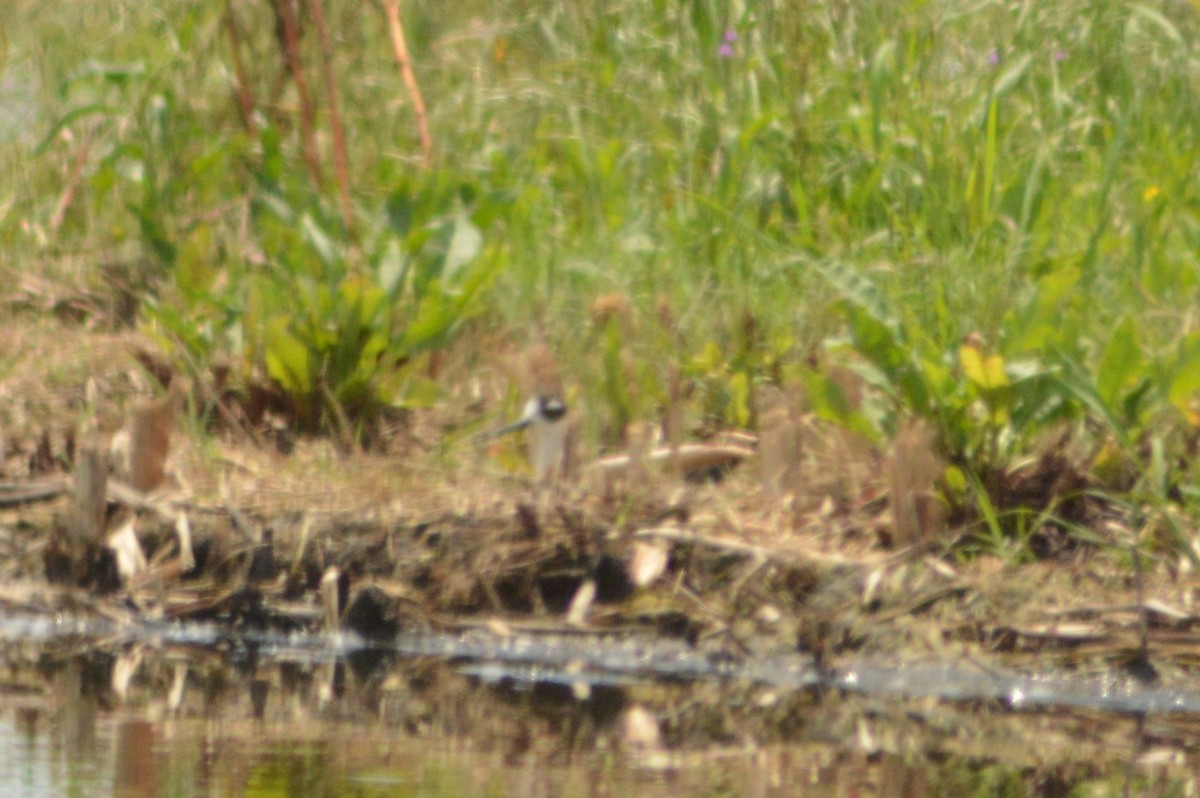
(1121, 364)
(392, 268)
(434, 317)
(1077, 383)
(1039, 397)
(399, 211)
(1184, 387)
(829, 403)
(1040, 323)
(985, 371)
(857, 290)
(318, 240)
(287, 358)
(465, 245)
(877, 334)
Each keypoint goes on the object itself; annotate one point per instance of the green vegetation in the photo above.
(986, 211)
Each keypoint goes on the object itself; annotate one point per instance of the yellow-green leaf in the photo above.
(986, 371)
(287, 358)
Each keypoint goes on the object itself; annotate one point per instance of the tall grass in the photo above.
(1018, 170)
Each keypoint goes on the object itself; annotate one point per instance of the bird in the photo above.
(549, 430)
(551, 433)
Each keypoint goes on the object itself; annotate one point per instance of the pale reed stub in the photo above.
(913, 469)
(139, 451)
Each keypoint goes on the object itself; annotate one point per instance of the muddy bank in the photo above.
(692, 568)
(784, 556)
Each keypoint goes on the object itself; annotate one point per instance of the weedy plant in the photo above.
(338, 323)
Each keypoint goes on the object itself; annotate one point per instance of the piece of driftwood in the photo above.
(581, 603)
(676, 535)
(127, 550)
(91, 495)
(15, 494)
(332, 598)
(178, 682)
(647, 562)
(183, 531)
(692, 460)
(640, 730)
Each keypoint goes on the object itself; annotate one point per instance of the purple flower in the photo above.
(726, 48)
(993, 56)
(1060, 55)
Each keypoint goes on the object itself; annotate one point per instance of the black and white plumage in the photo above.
(547, 431)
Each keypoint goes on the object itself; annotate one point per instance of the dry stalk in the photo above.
(147, 440)
(290, 29)
(71, 185)
(805, 463)
(341, 169)
(400, 49)
(912, 472)
(91, 493)
(780, 453)
(245, 94)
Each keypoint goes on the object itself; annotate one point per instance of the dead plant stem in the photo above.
(341, 168)
(245, 94)
(290, 29)
(400, 49)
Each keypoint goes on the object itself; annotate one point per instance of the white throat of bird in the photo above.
(546, 430)
(545, 424)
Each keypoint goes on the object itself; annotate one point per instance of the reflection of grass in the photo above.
(1026, 176)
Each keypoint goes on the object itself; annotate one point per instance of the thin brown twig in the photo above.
(244, 93)
(72, 183)
(400, 49)
(290, 30)
(340, 166)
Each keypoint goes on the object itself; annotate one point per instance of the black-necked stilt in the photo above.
(548, 429)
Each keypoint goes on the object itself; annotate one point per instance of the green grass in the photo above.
(1024, 171)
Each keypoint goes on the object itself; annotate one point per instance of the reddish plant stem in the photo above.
(340, 166)
(244, 93)
(288, 26)
(400, 49)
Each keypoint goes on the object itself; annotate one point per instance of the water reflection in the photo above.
(137, 722)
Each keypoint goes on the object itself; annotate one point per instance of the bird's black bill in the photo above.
(500, 432)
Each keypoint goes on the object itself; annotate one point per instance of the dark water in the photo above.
(93, 709)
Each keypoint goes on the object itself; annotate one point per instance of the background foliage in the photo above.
(987, 210)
